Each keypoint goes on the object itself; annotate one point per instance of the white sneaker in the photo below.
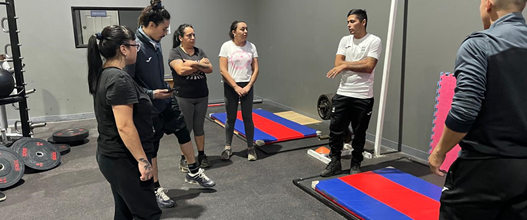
(199, 178)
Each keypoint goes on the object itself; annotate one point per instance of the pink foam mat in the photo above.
(445, 93)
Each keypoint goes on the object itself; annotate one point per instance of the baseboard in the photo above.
(405, 148)
(57, 118)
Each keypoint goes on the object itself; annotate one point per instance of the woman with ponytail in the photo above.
(239, 69)
(189, 65)
(122, 110)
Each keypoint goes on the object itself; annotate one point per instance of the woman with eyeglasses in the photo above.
(189, 66)
(124, 122)
(239, 69)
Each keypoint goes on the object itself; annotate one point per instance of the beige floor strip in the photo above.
(298, 118)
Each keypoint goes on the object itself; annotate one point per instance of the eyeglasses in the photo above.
(137, 46)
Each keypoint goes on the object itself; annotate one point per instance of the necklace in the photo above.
(185, 50)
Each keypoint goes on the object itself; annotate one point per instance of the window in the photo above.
(90, 20)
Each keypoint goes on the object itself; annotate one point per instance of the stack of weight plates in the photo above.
(63, 139)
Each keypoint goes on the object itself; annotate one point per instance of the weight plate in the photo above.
(50, 140)
(70, 135)
(73, 143)
(38, 154)
(325, 105)
(62, 148)
(11, 167)
(18, 142)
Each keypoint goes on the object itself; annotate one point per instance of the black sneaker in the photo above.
(183, 165)
(2, 196)
(355, 168)
(203, 161)
(333, 168)
(226, 154)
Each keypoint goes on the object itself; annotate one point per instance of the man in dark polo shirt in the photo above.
(488, 119)
(148, 72)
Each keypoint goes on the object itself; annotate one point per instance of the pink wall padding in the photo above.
(445, 93)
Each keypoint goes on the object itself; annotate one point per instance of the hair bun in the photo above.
(98, 36)
(156, 5)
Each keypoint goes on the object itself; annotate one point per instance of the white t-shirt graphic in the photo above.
(239, 60)
(356, 84)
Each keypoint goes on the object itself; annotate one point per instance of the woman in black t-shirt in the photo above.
(189, 65)
(123, 113)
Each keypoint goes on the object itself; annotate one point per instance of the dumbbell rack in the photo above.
(21, 96)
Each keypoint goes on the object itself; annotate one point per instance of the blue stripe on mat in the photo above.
(356, 201)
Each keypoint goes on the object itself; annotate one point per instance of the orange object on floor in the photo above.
(322, 150)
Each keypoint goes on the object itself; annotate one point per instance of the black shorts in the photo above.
(170, 121)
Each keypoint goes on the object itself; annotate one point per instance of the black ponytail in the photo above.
(180, 32)
(110, 39)
(94, 64)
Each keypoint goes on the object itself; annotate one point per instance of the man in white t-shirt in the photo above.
(356, 58)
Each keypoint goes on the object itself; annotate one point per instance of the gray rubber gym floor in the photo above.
(262, 189)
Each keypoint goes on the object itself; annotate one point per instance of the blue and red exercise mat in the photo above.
(386, 193)
(268, 127)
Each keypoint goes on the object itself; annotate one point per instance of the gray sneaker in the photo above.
(183, 166)
(199, 178)
(163, 201)
(251, 154)
(226, 154)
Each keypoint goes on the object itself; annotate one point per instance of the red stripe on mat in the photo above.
(277, 130)
(400, 198)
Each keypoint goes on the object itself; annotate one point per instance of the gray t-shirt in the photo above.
(191, 86)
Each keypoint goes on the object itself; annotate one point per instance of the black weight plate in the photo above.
(72, 144)
(50, 140)
(70, 135)
(62, 148)
(38, 154)
(325, 105)
(11, 167)
(19, 142)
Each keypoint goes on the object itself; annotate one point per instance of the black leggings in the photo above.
(231, 106)
(134, 199)
(346, 110)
